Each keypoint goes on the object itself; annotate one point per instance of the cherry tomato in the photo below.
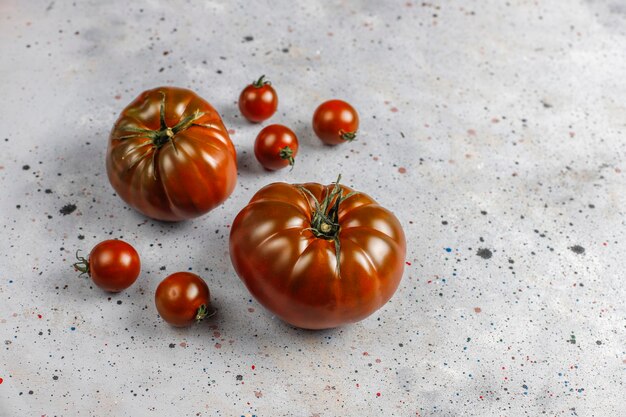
(258, 101)
(170, 156)
(113, 265)
(335, 122)
(276, 147)
(182, 299)
(317, 256)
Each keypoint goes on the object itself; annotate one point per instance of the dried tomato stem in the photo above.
(82, 265)
(203, 312)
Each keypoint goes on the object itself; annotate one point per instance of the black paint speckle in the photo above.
(484, 253)
(68, 209)
(26, 167)
(577, 249)
(172, 345)
(248, 38)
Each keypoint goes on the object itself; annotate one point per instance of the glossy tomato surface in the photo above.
(114, 265)
(294, 273)
(170, 156)
(258, 101)
(182, 299)
(335, 122)
(276, 147)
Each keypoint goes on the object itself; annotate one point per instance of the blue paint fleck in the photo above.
(448, 250)
(72, 328)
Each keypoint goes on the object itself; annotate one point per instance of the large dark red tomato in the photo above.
(170, 156)
(317, 256)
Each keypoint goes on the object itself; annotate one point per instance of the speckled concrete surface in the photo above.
(494, 130)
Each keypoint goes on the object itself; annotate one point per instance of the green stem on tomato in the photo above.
(325, 217)
(287, 153)
(347, 136)
(261, 82)
(203, 312)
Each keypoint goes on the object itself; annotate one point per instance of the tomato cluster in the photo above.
(317, 256)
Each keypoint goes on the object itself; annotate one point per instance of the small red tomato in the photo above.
(113, 265)
(275, 147)
(335, 122)
(182, 299)
(258, 101)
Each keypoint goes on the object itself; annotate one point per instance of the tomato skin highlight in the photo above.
(114, 265)
(180, 297)
(335, 122)
(270, 144)
(294, 274)
(258, 101)
(170, 156)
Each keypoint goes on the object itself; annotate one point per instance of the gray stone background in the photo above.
(493, 129)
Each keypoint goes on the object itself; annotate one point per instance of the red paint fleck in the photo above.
(183, 344)
(377, 360)
(374, 158)
(258, 394)
(477, 310)
(408, 263)
(481, 397)
(358, 385)
(572, 134)
(250, 310)
(618, 170)
(605, 244)
(231, 131)
(1, 380)
(218, 346)
(378, 394)
(216, 334)
(365, 354)
(429, 281)
(495, 120)
(394, 109)
(253, 367)
(402, 170)
(471, 132)
(330, 33)
(39, 316)
(117, 96)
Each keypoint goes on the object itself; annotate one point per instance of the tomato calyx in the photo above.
(325, 217)
(203, 312)
(287, 153)
(165, 133)
(261, 82)
(347, 136)
(82, 265)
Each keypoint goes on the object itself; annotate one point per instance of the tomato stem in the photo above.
(287, 153)
(347, 136)
(203, 312)
(82, 265)
(261, 82)
(325, 217)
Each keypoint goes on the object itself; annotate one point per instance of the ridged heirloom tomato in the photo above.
(317, 256)
(170, 156)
